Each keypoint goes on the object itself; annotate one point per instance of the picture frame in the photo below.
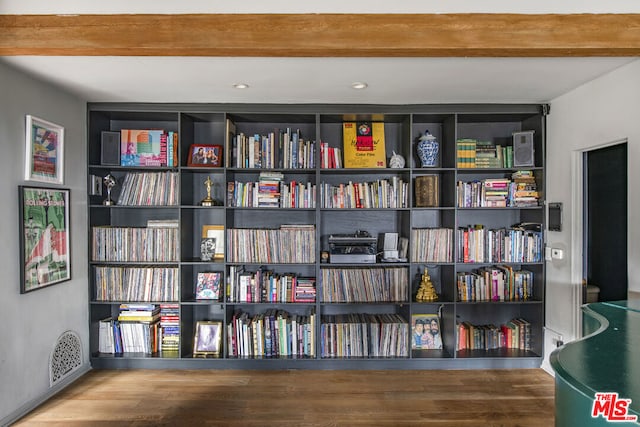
(44, 154)
(425, 332)
(201, 155)
(208, 285)
(207, 338)
(216, 232)
(45, 257)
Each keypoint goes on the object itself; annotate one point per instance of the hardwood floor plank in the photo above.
(302, 398)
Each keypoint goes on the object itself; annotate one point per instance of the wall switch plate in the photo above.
(557, 253)
(547, 254)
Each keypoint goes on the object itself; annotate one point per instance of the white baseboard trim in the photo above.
(33, 404)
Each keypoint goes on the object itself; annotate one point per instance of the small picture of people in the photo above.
(205, 155)
(426, 332)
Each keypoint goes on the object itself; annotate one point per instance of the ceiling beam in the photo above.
(322, 35)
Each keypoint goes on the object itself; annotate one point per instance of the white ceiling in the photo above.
(317, 80)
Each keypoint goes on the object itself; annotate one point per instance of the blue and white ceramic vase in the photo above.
(428, 150)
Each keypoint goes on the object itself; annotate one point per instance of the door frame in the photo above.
(577, 228)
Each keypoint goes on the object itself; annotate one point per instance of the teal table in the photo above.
(607, 359)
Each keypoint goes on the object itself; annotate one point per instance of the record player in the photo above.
(356, 248)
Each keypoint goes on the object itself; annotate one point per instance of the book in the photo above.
(143, 147)
(364, 145)
(425, 332)
(208, 286)
(427, 191)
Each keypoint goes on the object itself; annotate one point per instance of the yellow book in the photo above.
(364, 145)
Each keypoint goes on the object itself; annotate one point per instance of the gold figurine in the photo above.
(426, 291)
(208, 201)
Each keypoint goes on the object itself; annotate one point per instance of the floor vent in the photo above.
(66, 357)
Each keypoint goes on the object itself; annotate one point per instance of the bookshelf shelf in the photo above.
(271, 137)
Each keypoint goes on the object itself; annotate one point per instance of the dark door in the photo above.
(606, 221)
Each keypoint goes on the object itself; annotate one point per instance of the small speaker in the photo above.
(523, 152)
(110, 148)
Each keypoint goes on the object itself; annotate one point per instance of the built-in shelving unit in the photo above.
(210, 124)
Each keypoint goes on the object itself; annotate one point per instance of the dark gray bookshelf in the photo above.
(206, 124)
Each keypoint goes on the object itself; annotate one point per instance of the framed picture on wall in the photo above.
(44, 237)
(44, 156)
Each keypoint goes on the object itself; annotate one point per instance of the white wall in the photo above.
(31, 323)
(600, 112)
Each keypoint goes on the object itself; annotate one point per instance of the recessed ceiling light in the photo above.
(359, 85)
(240, 85)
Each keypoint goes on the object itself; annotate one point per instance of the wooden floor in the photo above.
(302, 398)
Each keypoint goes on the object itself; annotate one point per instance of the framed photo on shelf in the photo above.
(205, 155)
(216, 232)
(425, 330)
(44, 237)
(208, 285)
(44, 155)
(207, 338)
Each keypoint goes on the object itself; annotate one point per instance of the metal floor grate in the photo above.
(66, 357)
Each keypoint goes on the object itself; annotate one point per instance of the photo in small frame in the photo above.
(216, 232)
(207, 248)
(425, 330)
(205, 155)
(208, 285)
(207, 338)
(44, 237)
(44, 156)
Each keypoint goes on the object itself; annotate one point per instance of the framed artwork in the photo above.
(216, 232)
(44, 237)
(208, 285)
(205, 155)
(44, 156)
(207, 338)
(425, 330)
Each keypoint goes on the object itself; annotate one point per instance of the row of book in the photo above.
(380, 194)
(330, 157)
(283, 148)
(272, 193)
(148, 147)
(263, 286)
(149, 189)
(170, 329)
(272, 334)
(432, 245)
(365, 284)
(497, 193)
(135, 244)
(136, 283)
(515, 334)
(472, 153)
(495, 283)
(521, 243)
(291, 243)
(364, 335)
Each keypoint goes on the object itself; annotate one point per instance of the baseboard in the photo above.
(33, 404)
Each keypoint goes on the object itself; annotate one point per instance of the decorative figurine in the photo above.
(426, 291)
(428, 150)
(109, 182)
(396, 161)
(208, 201)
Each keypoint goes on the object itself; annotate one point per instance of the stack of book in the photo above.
(170, 327)
(139, 328)
(490, 193)
(524, 190)
(495, 283)
(269, 189)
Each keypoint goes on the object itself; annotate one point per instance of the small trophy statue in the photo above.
(426, 291)
(109, 182)
(208, 201)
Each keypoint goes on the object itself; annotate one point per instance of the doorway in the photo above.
(605, 273)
